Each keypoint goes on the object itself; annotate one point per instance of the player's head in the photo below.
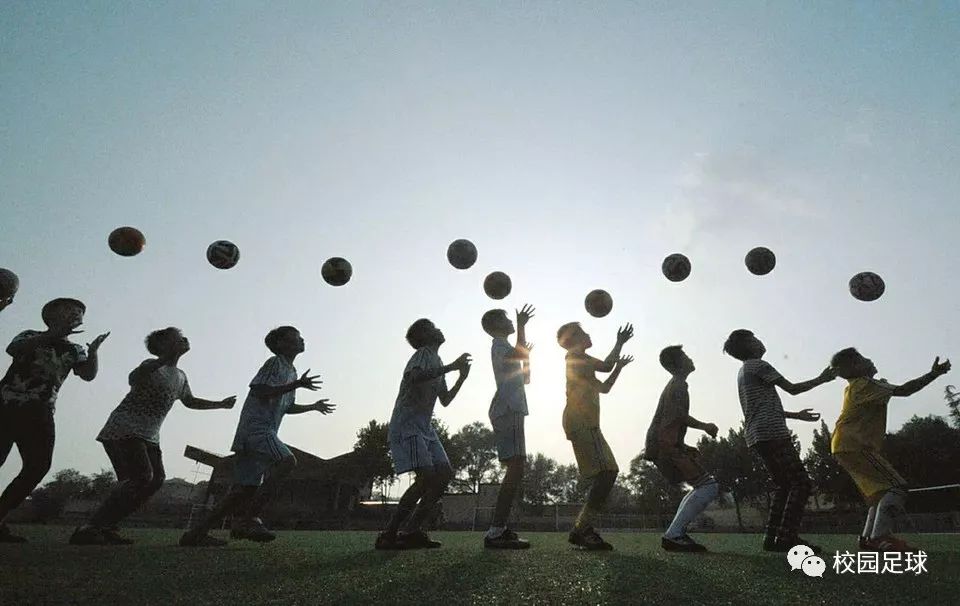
(675, 361)
(167, 343)
(496, 323)
(284, 341)
(743, 345)
(423, 333)
(851, 364)
(63, 313)
(572, 337)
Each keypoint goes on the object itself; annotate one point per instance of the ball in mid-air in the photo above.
(126, 241)
(462, 254)
(598, 303)
(223, 254)
(497, 285)
(760, 261)
(676, 267)
(9, 283)
(867, 286)
(336, 271)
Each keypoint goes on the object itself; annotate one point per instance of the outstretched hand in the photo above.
(625, 333)
(93, 347)
(324, 407)
(711, 430)
(463, 363)
(940, 369)
(228, 402)
(807, 414)
(525, 314)
(624, 360)
(309, 382)
(828, 374)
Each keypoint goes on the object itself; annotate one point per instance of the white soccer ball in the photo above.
(867, 286)
(223, 254)
(676, 267)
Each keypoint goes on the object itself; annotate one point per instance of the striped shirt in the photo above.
(762, 410)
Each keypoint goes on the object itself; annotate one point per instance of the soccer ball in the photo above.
(598, 303)
(497, 285)
(867, 286)
(9, 283)
(223, 254)
(462, 254)
(336, 271)
(126, 241)
(760, 261)
(676, 267)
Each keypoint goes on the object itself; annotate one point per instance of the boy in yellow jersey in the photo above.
(581, 423)
(858, 439)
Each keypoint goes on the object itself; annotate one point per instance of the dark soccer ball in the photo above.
(462, 254)
(223, 254)
(598, 303)
(497, 285)
(760, 261)
(676, 267)
(126, 241)
(867, 286)
(336, 271)
(9, 283)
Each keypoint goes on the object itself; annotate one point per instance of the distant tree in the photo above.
(475, 443)
(651, 492)
(830, 480)
(49, 500)
(570, 485)
(736, 468)
(454, 450)
(952, 396)
(374, 451)
(926, 451)
(540, 481)
(101, 483)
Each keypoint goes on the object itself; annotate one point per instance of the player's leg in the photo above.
(889, 490)
(132, 468)
(511, 451)
(438, 477)
(597, 465)
(35, 436)
(682, 467)
(248, 470)
(151, 483)
(408, 454)
(249, 525)
(770, 453)
(799, 486)
(7, 440)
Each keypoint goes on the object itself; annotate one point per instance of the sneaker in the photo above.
(417, 540)
(588, 539)
(87, 535)
(683, 544)
(892, 543)
(7, 537)
(507, 540)
(252, 530)
(193, 538)
(387, 540)
(113, 537)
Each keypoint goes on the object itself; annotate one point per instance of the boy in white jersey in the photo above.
(766, 432)
(131, 436)
(414, 444)
(511, 370)
(259, 451)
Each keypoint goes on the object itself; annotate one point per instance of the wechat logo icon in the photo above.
(801, 557)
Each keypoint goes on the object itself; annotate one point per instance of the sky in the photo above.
(576, 144)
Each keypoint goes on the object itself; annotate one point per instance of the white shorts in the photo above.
(261, 451)
(416, 452)
(509, 437)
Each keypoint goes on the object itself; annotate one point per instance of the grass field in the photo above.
(342, 568)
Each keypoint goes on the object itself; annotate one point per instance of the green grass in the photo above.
(342, 568)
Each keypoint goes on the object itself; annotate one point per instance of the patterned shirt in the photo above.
(34, 379)
(264, 415)
(508, 373)
(669, 425)
(583, 395)
(142, 411)
(413, 408)
(862, 423)
(762, 410)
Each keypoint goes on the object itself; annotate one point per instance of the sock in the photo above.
(691, 506)
(495, 532)
(871, 517)
(890, 507)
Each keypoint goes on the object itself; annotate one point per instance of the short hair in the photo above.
(565, 334)
(736, 344)
(671, 358)
(272, 340)
(416, 334)
(490, 319)
(56, 304)
(155, 339)
(843, 361)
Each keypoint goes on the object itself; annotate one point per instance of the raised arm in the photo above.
(795, 389)
(617, 367)
(305, 381)
(463, 365)
(201, 404)
(911, 387)
(87, 370)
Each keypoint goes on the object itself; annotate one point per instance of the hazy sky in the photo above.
(576, 144)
